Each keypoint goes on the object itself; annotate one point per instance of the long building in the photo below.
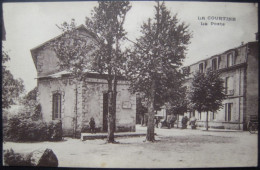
(238, 68)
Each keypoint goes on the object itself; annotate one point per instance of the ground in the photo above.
(174, 148)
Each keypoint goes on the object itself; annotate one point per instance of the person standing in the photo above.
(92, 125)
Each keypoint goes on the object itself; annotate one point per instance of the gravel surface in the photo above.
(173, 148)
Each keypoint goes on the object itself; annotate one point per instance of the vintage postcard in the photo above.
(130, 84)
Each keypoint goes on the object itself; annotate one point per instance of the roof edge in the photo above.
(213, 56)
(58, 36)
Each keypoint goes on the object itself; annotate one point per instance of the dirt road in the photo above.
(174, 148)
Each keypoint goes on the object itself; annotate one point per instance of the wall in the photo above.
(239, 53)
(252, 99)
(89, 103)
(126, 115)
(68, 101)
(93, 90)
(238, 98)
(47, 62)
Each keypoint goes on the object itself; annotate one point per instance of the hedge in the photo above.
(25, 129)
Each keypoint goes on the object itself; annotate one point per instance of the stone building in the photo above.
(238, 68)
(74, 102)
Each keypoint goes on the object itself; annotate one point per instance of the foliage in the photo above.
(107, 23)
(31, 104)
(158, 54)
(179, 103)
(141, 104)
(22, 128)
(5, 113)
(54, 130)
(11, 87)
(153, 65)
(73, 49)
(207, 92)
(141, 108)
(37, 113)
(31, 95)
(100, 52)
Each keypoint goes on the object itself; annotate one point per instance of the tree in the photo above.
(11, 87)
(141, 108)
(179, 103)
(207, 92)
(153, 65)
(31, 104)
(103, 55)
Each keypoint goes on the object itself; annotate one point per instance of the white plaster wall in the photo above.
(47, 62)
(126, 117)
(92, 102)
(67, 88)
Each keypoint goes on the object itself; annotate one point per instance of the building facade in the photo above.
(238, 67)
(74, 102)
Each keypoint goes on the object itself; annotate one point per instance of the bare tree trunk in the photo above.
(114, 101)
(207, 121)
(110, 117)
(150, 124)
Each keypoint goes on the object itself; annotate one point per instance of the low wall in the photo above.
(221, 125)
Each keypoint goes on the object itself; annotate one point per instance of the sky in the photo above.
(31, 24)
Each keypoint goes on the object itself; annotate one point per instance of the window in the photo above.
(228, 111)
(230, 59)
(201, 67)
(56, 106)
(226, 84)
(229, 86)
(214, 64)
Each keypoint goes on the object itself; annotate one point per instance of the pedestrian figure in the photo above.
(184, 122)
(92, 125)
(170, 120)
(193, 122)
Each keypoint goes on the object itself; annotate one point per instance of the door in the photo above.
(105, 111)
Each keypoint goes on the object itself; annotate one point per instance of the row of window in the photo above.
(214, 63)
(212, 116)
(228, 113)
(56, 109)
(229, 86)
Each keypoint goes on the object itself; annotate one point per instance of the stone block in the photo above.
(41, 157)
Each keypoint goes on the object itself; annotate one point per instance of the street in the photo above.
(173, 148)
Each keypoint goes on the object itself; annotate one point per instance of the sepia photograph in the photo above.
(130, 84)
